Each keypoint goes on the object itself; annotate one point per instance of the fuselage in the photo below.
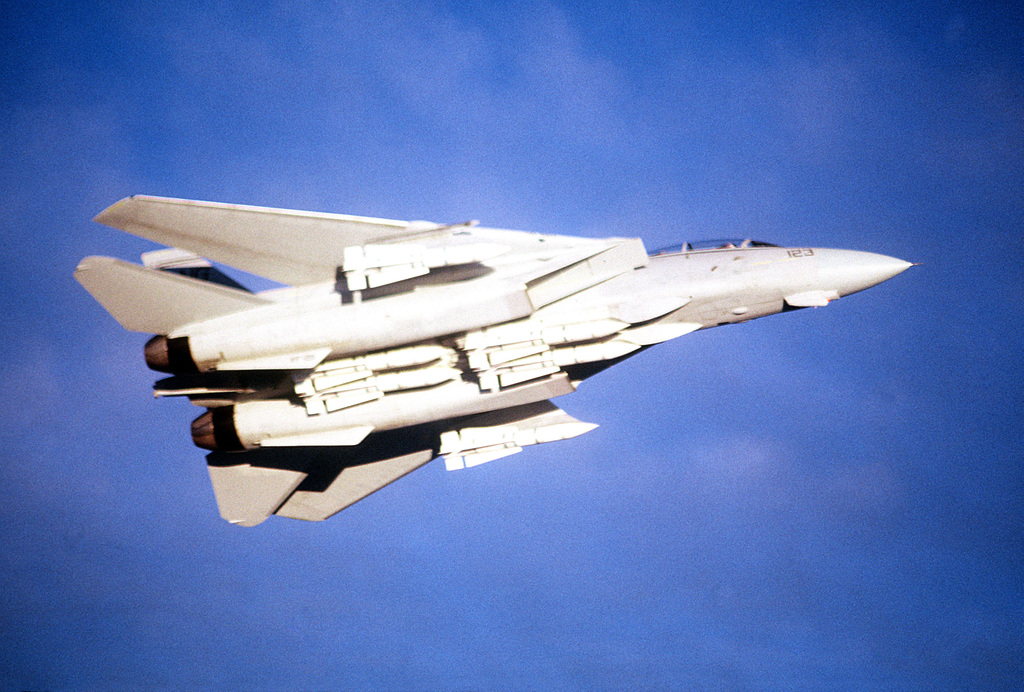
(493, 350)
(735, 283)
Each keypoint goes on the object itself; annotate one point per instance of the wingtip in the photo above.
(246, 523)
(91, 262)
(108, 215)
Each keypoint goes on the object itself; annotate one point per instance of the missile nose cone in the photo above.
(849, 272)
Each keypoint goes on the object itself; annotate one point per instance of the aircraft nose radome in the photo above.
(848, 271)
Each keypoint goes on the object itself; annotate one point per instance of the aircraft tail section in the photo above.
(313, 483)
(190, 264)
(153, 301)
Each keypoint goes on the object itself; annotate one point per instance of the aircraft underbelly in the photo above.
(261, 421)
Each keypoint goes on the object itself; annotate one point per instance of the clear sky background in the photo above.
(829, 499)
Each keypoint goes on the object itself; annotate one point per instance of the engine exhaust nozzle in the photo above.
(215, 430)
(170, 355)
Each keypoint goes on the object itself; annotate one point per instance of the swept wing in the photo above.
(287, 246)
(301, 247)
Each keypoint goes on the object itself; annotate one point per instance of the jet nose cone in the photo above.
(848, 271)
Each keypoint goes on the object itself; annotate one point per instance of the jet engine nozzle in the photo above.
(215, 430)
(170, 355)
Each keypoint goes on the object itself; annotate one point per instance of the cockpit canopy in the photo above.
(705, 245)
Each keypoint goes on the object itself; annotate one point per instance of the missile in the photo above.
(499, 434)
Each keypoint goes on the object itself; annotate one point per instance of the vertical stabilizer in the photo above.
(154, 301)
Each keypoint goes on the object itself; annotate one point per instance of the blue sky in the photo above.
(828, 499)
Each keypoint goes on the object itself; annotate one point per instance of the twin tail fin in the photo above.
(162, 297)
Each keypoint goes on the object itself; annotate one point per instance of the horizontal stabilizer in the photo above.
(311, 483)
(248, 494)
(352, 484)
(154, 301)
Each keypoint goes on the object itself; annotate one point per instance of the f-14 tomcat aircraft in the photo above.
(393, 342)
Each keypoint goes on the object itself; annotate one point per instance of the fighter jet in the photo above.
(391, 343)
